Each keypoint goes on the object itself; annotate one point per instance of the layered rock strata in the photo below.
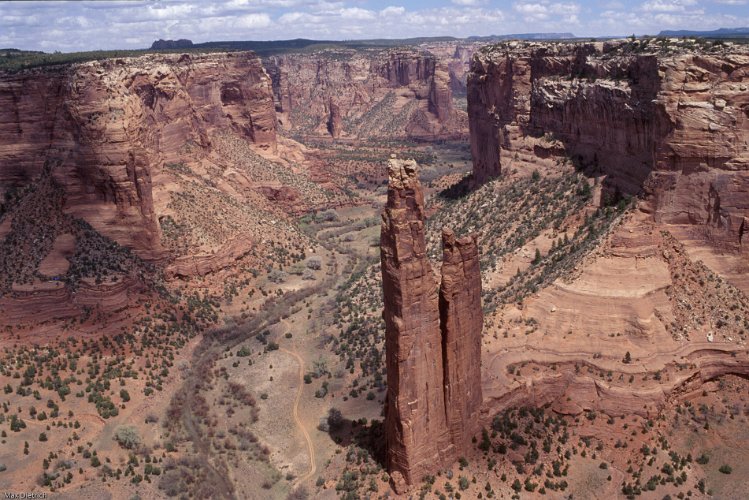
(432, 338)
(107, 157)
(365, 93)
(105, 128)
(652, 118)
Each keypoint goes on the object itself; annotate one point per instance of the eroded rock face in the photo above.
(457, 57)
(461, 320)
(376, 93)
(334, 120)
(671, 124)
(104, 127)
(432, 340)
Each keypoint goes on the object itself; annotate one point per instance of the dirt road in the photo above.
(299, 423)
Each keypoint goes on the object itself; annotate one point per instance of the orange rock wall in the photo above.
(105, 127)
(674, 127)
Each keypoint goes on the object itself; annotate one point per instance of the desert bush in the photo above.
(127, 437)
(323, 425)
(277, 276)
(328, 216)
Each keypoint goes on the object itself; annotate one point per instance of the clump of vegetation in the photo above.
(127, 437)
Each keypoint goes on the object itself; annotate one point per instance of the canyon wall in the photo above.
(457, 57)
(432, 340)
(115, 170)
(104, 129)
(365, 93)
(651, 117)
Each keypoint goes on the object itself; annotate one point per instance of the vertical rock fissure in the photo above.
(432, 337)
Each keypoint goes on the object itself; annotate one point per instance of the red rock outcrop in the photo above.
(415, 422)
(377, 93)
(106, 127)
(653, 118)
(432, 340)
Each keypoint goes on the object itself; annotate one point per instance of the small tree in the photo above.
(335, 419)
(517, 485)
(277, 276)
(627, 358)
(308, 275)
(537, 258)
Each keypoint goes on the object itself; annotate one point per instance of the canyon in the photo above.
(136, 150)
(504, 269)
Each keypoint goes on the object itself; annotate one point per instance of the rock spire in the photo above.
(433, 337)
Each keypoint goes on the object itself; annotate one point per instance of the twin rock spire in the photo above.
(432, 339)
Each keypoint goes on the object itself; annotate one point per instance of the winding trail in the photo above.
(307, 438)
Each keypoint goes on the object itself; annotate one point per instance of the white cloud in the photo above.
(546, 11)
(469, 2)
(667, 5)
(553, 16)
(251, 21)
(357, 14)
(300, 17)
(731, 2)
(392, 11)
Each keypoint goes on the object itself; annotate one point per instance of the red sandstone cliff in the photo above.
(107, 127)
(457, 57)
(159, 154)
(376, 93)
(652, 119)
(432, 342)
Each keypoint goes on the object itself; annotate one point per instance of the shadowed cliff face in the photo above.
(364, 94)
(670, 125)
(105, 128)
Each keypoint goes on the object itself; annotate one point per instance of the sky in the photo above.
(119, 24)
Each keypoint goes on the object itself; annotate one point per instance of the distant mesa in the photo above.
(719, 33)
(182, 43)
(522, 36)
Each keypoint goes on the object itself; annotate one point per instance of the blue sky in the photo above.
(84, 25)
